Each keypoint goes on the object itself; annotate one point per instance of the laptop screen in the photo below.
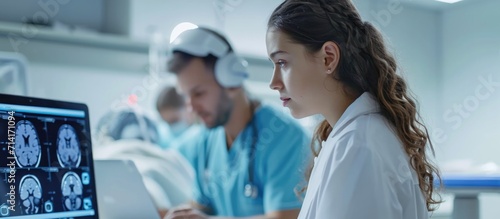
(46, 165)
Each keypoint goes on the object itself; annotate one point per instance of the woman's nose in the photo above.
(276, 83)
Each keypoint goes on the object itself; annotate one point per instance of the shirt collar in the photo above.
(363, 105)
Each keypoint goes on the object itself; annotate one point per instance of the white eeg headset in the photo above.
(230, 70)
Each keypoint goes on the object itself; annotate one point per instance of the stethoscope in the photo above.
(250, 189)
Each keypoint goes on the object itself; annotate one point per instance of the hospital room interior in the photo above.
(111, 56)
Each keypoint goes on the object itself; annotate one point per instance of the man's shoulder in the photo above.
(279, 129)
(273, 117)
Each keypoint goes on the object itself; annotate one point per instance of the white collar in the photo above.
(363, 105)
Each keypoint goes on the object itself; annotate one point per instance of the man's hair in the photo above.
(180, 60)
(169, 98)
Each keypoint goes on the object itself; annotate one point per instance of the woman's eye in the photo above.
(281, 63)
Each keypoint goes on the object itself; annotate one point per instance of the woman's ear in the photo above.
(331, 56)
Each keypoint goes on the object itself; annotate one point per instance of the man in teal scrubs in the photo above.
(251, 157)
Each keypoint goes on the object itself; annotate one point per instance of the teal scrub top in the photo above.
(280, 159)
(168, 141)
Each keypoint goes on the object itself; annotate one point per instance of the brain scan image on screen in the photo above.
(72, 190)
(27, 148)
(68, 147)
(30, 192)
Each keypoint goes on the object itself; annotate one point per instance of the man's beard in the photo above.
(224, 109)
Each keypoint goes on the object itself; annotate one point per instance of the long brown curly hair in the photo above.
(365, 66)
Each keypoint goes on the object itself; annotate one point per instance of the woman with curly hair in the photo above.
(371, 151)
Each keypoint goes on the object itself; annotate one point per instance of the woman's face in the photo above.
(298, 76)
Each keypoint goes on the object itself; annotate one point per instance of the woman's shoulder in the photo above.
(369, 129)
(374, 133)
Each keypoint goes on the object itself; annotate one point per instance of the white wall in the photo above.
(471, 55)
(229, 17)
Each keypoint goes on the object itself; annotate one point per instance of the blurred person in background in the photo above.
(129, 134)
(179, 125)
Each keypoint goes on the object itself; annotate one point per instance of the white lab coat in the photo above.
(362, 171)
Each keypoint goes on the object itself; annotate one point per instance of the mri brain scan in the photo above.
(27, 148)
(30, 192)
(72, 190)
(68, 147)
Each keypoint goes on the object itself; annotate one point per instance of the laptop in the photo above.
(121, 191)
(46, 162)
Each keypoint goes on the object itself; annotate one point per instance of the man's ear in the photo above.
(331, 56)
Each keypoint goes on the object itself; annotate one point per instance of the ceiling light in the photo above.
(179, 28)
(449, 1)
